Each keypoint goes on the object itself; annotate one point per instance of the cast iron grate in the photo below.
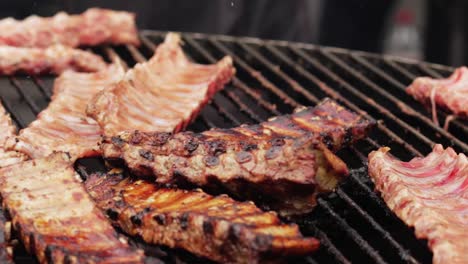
(274, 77)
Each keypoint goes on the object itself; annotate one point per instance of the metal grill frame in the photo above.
(273, 78)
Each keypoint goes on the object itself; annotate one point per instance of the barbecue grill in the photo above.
(274, 77)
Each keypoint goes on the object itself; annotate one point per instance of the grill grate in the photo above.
(274, 77)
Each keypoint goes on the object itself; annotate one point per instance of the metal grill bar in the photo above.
(138, 57)
(335, 95)
(371, 218)
(373, 224)
(351, 232)
(429, 71)
(382, 111)
(263, 89)
(254, 73)
(459, 125)
(407, 109)
(26, 96)
(45, 92)
(237, 82)
(19, 122)
(294, 84)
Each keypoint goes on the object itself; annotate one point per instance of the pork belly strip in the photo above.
(7, 131)
(64, 125)
(54, 59)
(93, 27)
(55, 217)
(450, 93)
(429, 194)
(163, 94)
(215, 227)
(279, 172)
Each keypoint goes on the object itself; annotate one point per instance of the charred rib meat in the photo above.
(55, 217)
(279, 171)
(54, 59)
(163, 94)
(429, 194)
(93, 27)
(329, 122)
(64, 125)
(217, 228)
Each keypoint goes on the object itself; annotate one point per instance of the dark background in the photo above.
(352, 24)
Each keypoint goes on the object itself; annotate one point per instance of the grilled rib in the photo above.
(54, 59)
(217, 228)
(429, 194)
(282, 171)
(55, 217)
(450, 93)
(64, 125)
(93, 27)
(328, 121)
(162, 94)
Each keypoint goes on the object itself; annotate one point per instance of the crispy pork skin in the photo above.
(64, 125)
(55, 217)
(55, 59)
(278, 172)
(429, 194)
(450, 93)
(163, 94)
(215, 227)
(94, 27)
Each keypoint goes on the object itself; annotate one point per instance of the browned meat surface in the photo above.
(64, 125)
(55, 59)
(282, 164)
(93, 27)
(329, 122)
(55, 217)
(163, 94)
(278, 172)
(215, 227)
(429, 194)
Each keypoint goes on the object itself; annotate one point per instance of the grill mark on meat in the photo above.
(428, 194)
(56, 224)
(246, 160)
(153, 98)
(213, 227)
(298, 163)
(63, 125)
(93, 27)
(450, 93)
(55, 59)
(330, 122)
